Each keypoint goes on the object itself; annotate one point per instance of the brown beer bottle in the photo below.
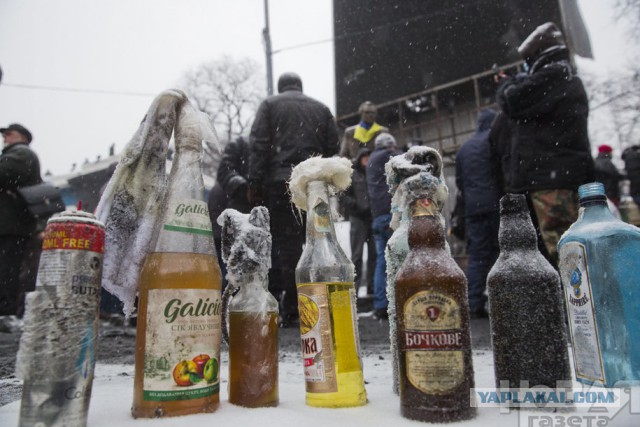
(436, 371)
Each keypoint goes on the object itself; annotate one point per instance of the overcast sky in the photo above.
(137, 48)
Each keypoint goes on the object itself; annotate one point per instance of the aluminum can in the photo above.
(56, 358)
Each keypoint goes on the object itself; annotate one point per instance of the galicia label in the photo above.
(189, 216)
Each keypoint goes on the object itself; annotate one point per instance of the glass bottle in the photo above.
(525, 306)
(327, 308)
(599, 269)
(395, 254)
(177, 359)
(253, 344)
(436, 371)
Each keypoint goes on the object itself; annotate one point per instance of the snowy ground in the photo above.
(113, 390)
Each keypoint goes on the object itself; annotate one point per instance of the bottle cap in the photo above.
(513, 203)
(593, 189)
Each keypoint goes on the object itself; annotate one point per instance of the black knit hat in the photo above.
(18, 128)
(289, 81)
(543, 38)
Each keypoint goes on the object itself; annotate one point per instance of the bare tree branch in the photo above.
(229, 91)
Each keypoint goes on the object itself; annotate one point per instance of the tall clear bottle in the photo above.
(328, 314)
(434, 339)
(179, 330)
(599, 268)
(525, 306)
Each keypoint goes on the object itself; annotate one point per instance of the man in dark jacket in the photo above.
(550, 154)
(289, 127)
(356, 202)
(19, 167)
(476, 181)
(380, 200)
(608, 174)
(233, 174)
(230, 190)
(631, 157)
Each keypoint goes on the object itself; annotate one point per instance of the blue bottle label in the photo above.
(576, 282)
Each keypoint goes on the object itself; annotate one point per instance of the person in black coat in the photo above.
(608, 174)
(380, 200)
(233, 174)
(230, 190)
(19, 167)
(550, 155)
(289, 127)
(631, 157)
(481, 193)
(356, 202)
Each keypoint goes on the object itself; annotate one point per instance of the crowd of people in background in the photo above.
(534, 143)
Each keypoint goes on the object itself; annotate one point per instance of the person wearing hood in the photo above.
(608, 174)
(380, 200)
(356, 202)
(288, 128)
(550, 155)
(363, 134)
(481, 194)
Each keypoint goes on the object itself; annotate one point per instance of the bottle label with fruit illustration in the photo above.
(182, 349)
(432, 341)
(317, 345)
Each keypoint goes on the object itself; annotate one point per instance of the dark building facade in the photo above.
(389, 49)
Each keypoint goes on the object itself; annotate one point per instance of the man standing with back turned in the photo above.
(289, 127)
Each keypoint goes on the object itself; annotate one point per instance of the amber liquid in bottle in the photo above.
(253, 359)
(434, 341)
(171, 271)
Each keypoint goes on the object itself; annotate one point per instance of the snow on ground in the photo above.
(113, 393)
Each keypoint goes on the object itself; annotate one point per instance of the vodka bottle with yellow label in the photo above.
(328, 315)
(600, 271)
(177, 358)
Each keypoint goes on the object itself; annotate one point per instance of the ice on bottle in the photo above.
(525, 306)
(401, 174)
(252, 310)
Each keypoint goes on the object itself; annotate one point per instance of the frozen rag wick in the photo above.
(335, 172)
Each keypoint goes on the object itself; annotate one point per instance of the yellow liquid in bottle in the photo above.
(347, 363)
(180, 271)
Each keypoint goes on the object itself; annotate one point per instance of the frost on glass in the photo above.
(250, 312)
(414, 175)
(130, 205)
(525, 306)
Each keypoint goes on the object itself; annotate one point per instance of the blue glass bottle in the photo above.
(600, 271)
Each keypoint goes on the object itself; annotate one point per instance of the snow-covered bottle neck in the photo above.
(516, 229)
